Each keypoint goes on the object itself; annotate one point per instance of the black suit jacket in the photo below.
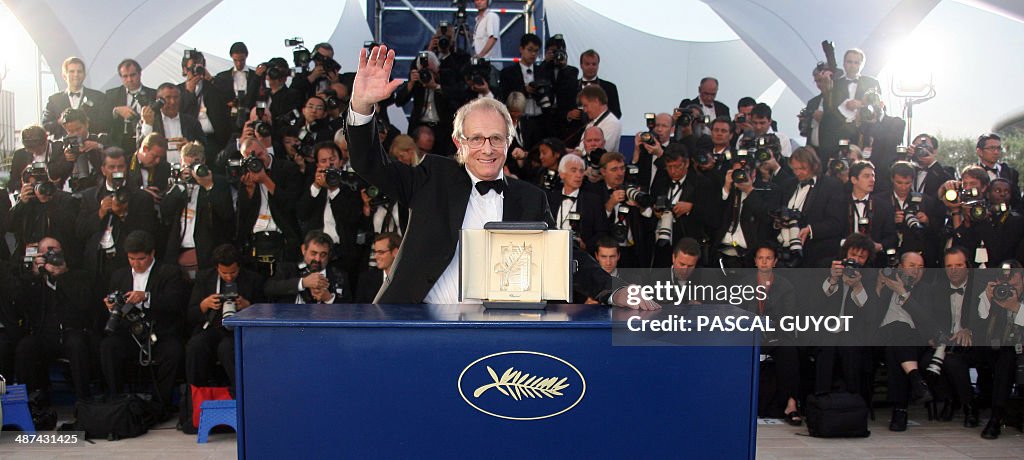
(347, 207)
(72, 309)
(141, 216)
(823, 211)
(721, 110)
(593, 223)
(225, 82)
(882, 228)
(935, 177)
(288, 180)
(94, 104)
(190, 127)
(167, 296)
(285, 100)
(31, 220)
(250, 287)
(284, 285)
(215, 219)
(753, 219)
(936, 318)
(158, 178)
(1001, 236)
(369, 284)
(702, 222)
(117, 97)
(437, 193)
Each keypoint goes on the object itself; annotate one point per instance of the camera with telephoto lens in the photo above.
(663, 233)
(980, 211)
(328, 64)
(594, 157)
(851, 268)
(561, 57)
(740, 175)
(423, 65)
(43, 187)
(685, 117)
(1003, 290)
(377, 197)
(914, 200)
(73, 144)
(648, 138)
(640, 197)
(704, 157)
(119, 182)
(542, 91)
(186, 174)
(872, 108)
(443, 42)
(252, 164)
(261, 128)
(620, 229)
(228, 298)
(123, 310)
(787, 221)
(550, 180)
(922, 148)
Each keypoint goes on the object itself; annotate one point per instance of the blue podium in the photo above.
(415, 381)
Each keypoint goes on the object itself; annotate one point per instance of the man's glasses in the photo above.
(498, 142)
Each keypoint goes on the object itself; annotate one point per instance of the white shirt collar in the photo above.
(145, 274)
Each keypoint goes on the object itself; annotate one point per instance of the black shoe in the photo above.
(946, 414)
(970, 416)
(992, 429)
(899, 420)
(919, 391)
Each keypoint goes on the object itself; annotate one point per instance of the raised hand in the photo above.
(373, 82)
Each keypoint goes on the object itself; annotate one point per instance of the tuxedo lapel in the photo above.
(512, 207)
(458, 200)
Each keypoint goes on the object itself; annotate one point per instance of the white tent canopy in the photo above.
(778, 45)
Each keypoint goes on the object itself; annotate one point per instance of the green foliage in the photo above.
(960, 152)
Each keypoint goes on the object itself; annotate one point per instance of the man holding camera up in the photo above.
(981, 221)
(80, 163)
(93, 103)
(325, 71)
(332, 205)
(849, 93)
(277, 97)
(649, 146)
(128, 101)
(43, 210)
(61, 321)
(744, 220)
(109, 213)
(267, 229)
(990, 151)
(146, 302)
(999, 310)
(36, 150)
(177, 127)
(204, 101)
(691, 208)
(432, 104)
(930, 173)
(918, 216)
(628, 222)
(219, 293)
(312, 281)
(197, 211)
(147, 169)
(761, 122)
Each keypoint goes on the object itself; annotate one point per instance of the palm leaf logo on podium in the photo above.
(514, 267)
(518, 385)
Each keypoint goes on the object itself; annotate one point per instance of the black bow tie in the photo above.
(807, 182)
(993, 169)
(957, 291)
(864, 201)
(529, 71)
(710, 106)
(75, 94)
(484, 186)
(587, 83)
(569, 197)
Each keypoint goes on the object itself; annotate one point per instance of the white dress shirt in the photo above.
(140, 282)
(330, 225)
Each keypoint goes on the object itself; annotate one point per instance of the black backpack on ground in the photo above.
(114, 418)
(837, 415)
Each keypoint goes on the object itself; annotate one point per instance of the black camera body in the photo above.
(851, 268)
(620, 230)
(123, 310)
(119, 182)
(377, 197)
(252, 164)
(542, 91)
(43, 186)
(648, 138)
(786, 217)
(423, 65)
(550, 180)
(1002, 291)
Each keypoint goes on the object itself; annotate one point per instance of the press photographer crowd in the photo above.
(141, 218)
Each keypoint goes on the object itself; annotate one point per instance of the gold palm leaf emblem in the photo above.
(517, 385)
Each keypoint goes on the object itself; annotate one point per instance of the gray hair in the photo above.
(484, 103)
(569, 160)
(516, 102)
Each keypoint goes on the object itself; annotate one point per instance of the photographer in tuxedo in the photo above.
(575, 209)
(930, 174)
(158, 292)
(147, 168)
(648, 155)
(177, 127)
(50, 212)
(313, 280)
(219, 293)
(203, 100)
(268, 231)
(61, 322)
(869, 214)
(239, 81)
(848, 93)
(453, 194)
(332, 204)
(818, 198)
(691, 201)
(93, 103)
(707, 91)
(78, 166)
(127, 101)
(432, 105)
(36, 149)
(630, 224)
(990, 150)
(595, 106)
(918, 216)
(745, 223)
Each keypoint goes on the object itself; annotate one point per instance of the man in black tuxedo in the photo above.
(869, 214)
(692, 203)
(930, 174)
(334, 207)
(210, 303)
(952, 321)
(159, 292)
(819, 121)
(268, 231)
(240, 83)
(919, 217)
(198, 213)
(110, 212)
(648, 156)
(745, 224)
(177, 127)
(78, 97)
(61, 321)
(313, 280)
(34, 216)
(203, 100)
(990, 151)
(881, 137)
(385, 249)
(575, 209)
(999, 230)
(279, 97)
(127, 101)
(523, 77)
(848, 93)
(78, 162)
(818, 198)
(590, 63)
(707, 91)
(631, 225)
(451, 195)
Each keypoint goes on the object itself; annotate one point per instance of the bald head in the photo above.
(593, 138)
